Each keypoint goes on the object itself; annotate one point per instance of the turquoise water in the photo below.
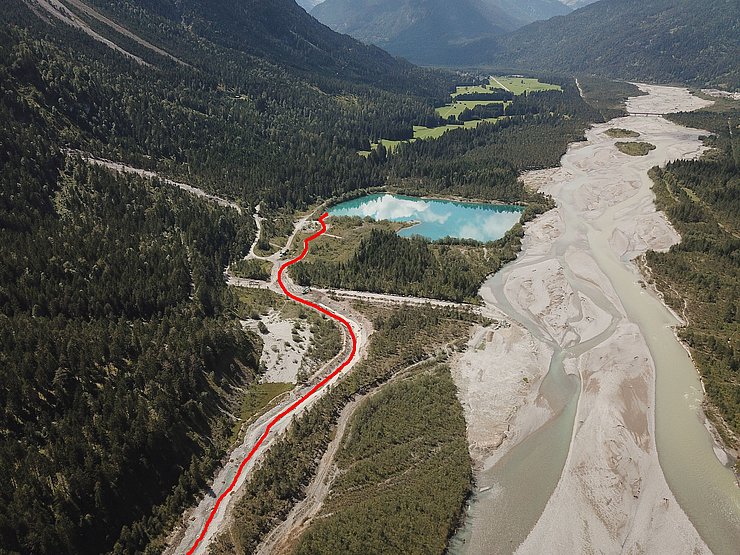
(435, 219)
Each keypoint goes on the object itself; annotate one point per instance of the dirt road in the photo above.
(203, 517)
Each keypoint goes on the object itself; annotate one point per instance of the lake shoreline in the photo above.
(436, 219)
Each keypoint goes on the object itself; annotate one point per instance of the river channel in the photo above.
(624, 461)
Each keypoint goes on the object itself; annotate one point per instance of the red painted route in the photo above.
(300, 401)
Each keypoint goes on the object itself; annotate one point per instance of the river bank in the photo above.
(578, 467)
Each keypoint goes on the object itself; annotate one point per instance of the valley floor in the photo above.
(581, 436)
(569, 456)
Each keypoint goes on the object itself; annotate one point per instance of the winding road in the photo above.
(216, 514)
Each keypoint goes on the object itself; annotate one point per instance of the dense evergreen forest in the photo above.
(114, 348)
(482, 163)
(403, 494)
(700, 277)
(257, 131)
(402, 338)
(121, 353)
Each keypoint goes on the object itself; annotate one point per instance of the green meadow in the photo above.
(455, 108)
(421, 133)
(520, 85)
(516, 85)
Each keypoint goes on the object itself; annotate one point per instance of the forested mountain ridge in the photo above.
(120, 356)
(433, 32)
(423, 31)
(228, 126)
(692, 41)
(275, 30)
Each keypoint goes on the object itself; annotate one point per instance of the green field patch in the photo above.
(619, 133)
(457, 107)
(516, 85)
(345, 235)
(520, 85)
(475, 89)
(258, 400)
(389, 145)
(252, 269)
(634, 148)
(421, 132)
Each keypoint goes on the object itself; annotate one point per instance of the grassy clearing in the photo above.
(619, 133)
(457, 107)
(520, 85)
(634, 148)
(252, 269)
(422, 133)
(390, 146)
(475, 89)
(344, 236)
(258, 400)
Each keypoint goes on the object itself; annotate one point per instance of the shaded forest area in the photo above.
(402, 337)
(116, 357)
(700, 277)
(404, 473)
(121, 352)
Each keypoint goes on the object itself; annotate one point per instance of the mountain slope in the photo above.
(692, 41)
(529, 10)
(308, 5)
(424, 31)
(122, 357)
(575, 4)
(431, 31)
(276, 30)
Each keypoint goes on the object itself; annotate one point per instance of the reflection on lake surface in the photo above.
(435, 219)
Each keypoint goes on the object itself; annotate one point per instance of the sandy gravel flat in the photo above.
(282, 357)
(612, 496)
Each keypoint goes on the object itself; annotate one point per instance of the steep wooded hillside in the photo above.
(691, 41)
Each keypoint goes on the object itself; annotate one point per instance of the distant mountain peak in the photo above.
(431, 31)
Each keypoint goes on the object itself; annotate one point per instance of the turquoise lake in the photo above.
(435, 219)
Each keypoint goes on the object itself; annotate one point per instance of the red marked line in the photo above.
(300, 401)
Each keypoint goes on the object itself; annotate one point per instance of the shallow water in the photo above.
(435, 219)
(512, 494)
